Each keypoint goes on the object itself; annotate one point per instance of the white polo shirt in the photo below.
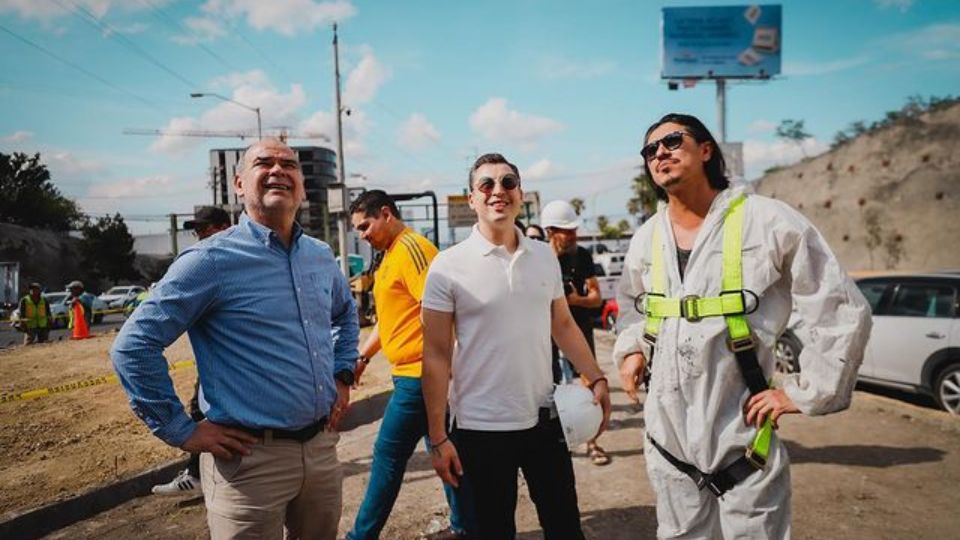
(500, 302)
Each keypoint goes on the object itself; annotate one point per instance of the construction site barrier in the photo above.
(76, 385)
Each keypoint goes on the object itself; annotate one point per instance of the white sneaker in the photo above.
(183, 484)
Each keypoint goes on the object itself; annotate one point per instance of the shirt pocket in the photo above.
(759, 271)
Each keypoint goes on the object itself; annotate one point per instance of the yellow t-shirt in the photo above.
(397, 290)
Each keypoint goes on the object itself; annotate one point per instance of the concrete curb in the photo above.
(57, 515)
(51, 517)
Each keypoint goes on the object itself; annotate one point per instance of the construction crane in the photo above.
(282, 133)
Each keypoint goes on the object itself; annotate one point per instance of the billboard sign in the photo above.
(721, 41)
(459, 213)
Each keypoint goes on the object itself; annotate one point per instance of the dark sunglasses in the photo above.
(508, 182)
(670, 141)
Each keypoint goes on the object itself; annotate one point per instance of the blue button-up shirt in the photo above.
(269, 328)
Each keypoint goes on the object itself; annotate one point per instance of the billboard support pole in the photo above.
(722, 109)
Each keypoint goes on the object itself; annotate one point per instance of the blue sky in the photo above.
(564, 89)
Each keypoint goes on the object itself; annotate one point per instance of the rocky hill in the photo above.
(886, 200)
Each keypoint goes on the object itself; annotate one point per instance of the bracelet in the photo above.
(363, 359)
(437, 445)
(598, 379)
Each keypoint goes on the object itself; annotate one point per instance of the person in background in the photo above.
(79, 296)
(206, 222)
(35, 317)
(582, 290)
(535, 232)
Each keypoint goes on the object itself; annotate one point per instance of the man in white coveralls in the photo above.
(708, 285)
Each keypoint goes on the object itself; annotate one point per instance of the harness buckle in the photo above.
(742, 344)
(758, 461)
(650, 338)
(689, 308)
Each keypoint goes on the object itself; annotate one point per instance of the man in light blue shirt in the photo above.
(274, 330)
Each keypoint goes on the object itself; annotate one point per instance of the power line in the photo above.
(81, 69)
(121, 39)
(161, 14)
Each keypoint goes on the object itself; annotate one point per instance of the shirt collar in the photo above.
(485, 247)
(263, 234)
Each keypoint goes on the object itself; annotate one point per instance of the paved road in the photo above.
(10, 337)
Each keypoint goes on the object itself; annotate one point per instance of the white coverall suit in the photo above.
(694, 406)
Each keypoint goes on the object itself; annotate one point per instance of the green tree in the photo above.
(611, 231)
(29, 199)
(792, 131)
(107, 250)
(578, 205)
(644, 201)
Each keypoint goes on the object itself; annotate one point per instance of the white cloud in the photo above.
(495, 122)
(364, 80)
(62, 162)
(759, 156)
(355, 129)
(126, 29)
(18, 137)
(568, 68)
(902, 5)
(762, 126)
(200, 30)
(538, 170)
(933, 42)
(288, 17)
(47, 10)
(172, 144)
(417, 133)
(252, 88)
(803, 68)
(132, 187)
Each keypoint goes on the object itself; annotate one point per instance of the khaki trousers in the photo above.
(283, 489)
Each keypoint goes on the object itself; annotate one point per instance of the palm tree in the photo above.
(578, 205)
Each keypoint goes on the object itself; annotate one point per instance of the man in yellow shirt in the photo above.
(397, 291)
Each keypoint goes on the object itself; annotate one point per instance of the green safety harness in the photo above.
(732, 306)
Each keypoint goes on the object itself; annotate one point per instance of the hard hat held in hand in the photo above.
(579, 415)
(559, 214)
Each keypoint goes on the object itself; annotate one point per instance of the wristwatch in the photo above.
(363, 359)
(345, 376)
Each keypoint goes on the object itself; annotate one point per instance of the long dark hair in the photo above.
(715, 168)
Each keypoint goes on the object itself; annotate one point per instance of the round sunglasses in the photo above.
(486, 185)
(670, 141)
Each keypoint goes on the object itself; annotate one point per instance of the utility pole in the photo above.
(342, 220)
(722, 109)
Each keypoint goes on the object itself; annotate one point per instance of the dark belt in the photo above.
(719, 482)
(303, 434)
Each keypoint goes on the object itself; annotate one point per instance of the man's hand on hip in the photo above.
(340, 407)
(446, 461)
(221, 441)
(773, 402)
(631, 374)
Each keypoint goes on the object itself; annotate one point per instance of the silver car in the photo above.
(915, 342)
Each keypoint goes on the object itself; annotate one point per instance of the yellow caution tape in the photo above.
(76, 385)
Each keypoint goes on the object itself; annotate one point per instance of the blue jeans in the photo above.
(404, 424)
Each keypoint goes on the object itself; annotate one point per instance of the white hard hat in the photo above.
(579, 415)
(559, 214)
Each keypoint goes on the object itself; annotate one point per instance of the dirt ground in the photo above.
(883, 469)
(64, 444)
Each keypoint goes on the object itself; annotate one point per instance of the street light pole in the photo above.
(237, 103)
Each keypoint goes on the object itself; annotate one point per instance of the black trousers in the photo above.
(492, 458)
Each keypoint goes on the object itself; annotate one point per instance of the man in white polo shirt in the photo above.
(501, 296)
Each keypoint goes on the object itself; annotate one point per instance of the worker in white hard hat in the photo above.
(708, 284)
(581, 287)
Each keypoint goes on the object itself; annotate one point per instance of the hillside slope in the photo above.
(887, 200)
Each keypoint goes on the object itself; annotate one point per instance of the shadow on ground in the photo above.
(863, 455)
(613, 524)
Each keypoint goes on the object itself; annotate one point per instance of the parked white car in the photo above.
(915, 342)
(116, 297)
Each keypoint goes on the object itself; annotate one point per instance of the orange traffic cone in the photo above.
(80, 328)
